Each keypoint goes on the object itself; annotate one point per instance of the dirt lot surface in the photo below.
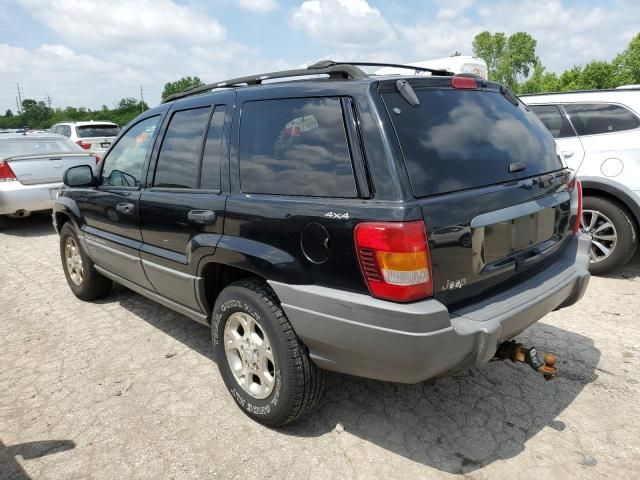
(128, 389)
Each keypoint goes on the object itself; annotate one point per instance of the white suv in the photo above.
(598, 134)
(95, 136)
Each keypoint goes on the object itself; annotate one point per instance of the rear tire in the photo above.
(83, 279)
(624, 228)
(289, 384)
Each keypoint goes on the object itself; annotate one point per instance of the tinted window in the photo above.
(66, 130)
(123, 165)
(458, 139)
(179, 157)
(556, 123)
(87, 131)
(594, 118)
(211, 161)
(295, 147)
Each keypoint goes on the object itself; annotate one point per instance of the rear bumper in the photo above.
(359, 335)
(14, 196)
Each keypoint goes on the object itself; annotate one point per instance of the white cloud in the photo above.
(258, 6)
(125, 22)
(134, 43)
(343, 23)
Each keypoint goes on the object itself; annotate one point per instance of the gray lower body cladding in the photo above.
(409, 343)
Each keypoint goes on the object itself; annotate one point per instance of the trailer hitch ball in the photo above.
(516, 352)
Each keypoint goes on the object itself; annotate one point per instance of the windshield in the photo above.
(107, 130)
(36, 146)
(459, 139)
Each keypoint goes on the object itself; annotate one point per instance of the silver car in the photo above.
(598, 134)
(31, 169)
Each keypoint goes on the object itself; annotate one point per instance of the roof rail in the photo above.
(342, 70)
(333, 69)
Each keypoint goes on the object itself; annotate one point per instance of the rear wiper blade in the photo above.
(509, 95)
(406, 90)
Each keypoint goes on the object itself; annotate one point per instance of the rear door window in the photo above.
(461, 139)
(596, 118)
(179, 157)
(555, 122)
(295, 147)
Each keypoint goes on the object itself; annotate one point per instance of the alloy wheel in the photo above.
(249, 355)
(604, 236)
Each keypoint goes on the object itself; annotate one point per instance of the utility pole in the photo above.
(19, 99)
(141, 100)
(18, 105)
(48, 100)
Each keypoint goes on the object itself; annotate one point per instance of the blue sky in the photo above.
(94, 52)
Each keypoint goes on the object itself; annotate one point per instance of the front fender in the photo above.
(68, 207)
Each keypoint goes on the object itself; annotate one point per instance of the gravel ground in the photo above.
(125, 388)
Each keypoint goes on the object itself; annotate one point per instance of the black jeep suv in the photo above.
(394, 227)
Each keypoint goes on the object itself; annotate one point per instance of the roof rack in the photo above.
(341, 70)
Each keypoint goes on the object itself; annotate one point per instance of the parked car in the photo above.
(598, 133)
(31, 168)
(294, 218)
(95, 136)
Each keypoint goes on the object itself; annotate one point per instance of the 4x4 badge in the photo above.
(337, 216)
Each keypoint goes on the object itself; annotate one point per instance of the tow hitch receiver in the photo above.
(516, 352)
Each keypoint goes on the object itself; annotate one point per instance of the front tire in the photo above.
(83, 279)
(613, 233)
(264, 365)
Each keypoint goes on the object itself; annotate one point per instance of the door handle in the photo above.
(567, 153)
(125, 208)
(202, 217)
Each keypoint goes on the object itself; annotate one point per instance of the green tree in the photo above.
(509, 59)
(8, 113)
(540, 81)
(627, 63)
(598, 74)
(456, 54)
(179, 85)
(570, 79)
(35, 113)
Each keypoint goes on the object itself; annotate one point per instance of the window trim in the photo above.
(143, 174)
(562, 104)
(236, 185)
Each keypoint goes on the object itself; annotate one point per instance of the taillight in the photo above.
(97, 159)
(395, 260)
(467, 83)
(578, 209)
(86, 146)
(6, 174)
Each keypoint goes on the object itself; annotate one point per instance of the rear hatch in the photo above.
(37, 160)
(494, 194)
(97, 137)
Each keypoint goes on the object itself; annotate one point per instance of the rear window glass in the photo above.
(35, 146)
(460, 139)
(556, 123)
(595, 118)
(98, 131)
(295, 147)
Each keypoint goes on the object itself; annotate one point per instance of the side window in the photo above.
(123, 165)
(212, 159)
(66, 130)
(295, 147)
(179, 156)
(595, 118)
(555, 122)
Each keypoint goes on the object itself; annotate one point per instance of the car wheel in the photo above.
(613, 233)
(263, 363)
(83, 279)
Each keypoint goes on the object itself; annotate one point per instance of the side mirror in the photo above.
(79, 176)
